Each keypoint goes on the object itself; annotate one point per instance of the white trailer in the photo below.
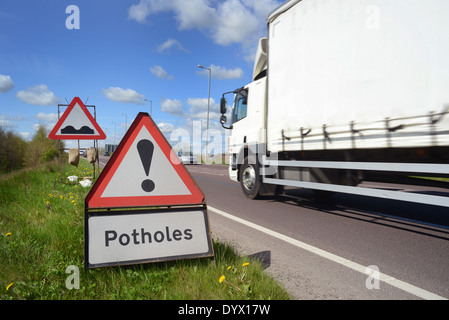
(342, 91)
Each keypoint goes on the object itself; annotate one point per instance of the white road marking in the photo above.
(332, 257)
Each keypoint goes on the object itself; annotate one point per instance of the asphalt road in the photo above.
(321, 249)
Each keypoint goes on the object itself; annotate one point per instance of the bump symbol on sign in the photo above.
(146, 148)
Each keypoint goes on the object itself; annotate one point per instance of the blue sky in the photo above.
(122, 53)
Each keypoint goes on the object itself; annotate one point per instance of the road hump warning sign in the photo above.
(144, 172)
(76, 123)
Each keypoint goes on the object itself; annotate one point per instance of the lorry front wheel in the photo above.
(249, 177)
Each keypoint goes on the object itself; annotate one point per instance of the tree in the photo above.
(12, 151)
(40, 148)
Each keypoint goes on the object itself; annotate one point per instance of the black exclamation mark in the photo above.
(146, 148)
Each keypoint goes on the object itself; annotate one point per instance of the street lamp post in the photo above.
(208, 107)
(126, 121)
(151, 105)
(115, 131)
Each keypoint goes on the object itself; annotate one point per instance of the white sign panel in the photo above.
(121, 238)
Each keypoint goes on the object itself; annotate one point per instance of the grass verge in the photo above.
(433, 178)
(42, 238)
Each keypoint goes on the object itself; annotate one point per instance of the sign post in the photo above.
(160, 213)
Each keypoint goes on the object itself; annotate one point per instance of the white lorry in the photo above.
(344, 91)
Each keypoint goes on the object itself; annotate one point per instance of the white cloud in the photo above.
(6, 83)
(38, 95)
(235, 23)
(159, 72)
(170, 106)
(165, 127)
(193, 14)
(221, 73)
(12, 118)
(226, 22)
(189, 14)
(9, 121)
(48, 127)
(213, 116)
(262, 8)
(199, 104)
(6, 123)
(25, 135)
(170, 44)
(117, 94)
(140, 11)
(49, 117)
(198, 109)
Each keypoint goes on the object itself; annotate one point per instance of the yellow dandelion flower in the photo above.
(9, 286)
(229, 268)
(47, 202)
(221, 279)
(8, 234)
(73, 201)
(245, 264)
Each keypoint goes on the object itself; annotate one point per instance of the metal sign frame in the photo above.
(111, 222)
(96, 144)
(73, 136)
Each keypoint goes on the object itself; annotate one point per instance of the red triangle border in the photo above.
(54, 136)
(94, 199)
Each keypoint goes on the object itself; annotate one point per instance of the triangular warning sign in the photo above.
(77, 123)
(143, 172)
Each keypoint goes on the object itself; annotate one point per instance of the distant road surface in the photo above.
(322, 249)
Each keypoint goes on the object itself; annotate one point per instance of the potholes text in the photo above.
(144, 237)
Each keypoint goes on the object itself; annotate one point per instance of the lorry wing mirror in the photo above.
(223, 119)
(223, 104)
(223, 122)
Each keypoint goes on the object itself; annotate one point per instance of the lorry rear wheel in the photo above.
(249, 177)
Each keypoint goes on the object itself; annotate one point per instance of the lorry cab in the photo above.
(247, 122)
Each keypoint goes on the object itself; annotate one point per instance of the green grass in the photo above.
(433, 178)
(42, 233)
